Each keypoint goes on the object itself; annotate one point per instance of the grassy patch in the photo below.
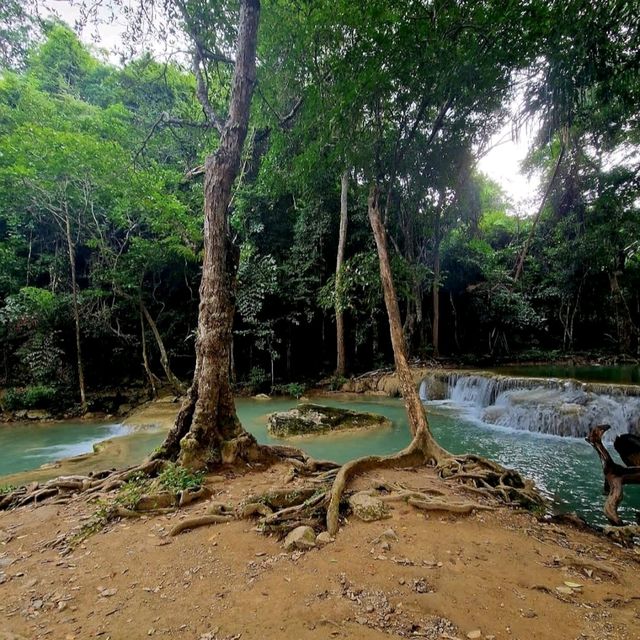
(175, 478)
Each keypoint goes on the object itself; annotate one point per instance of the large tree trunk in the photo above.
(176, 385)
(341, 364)
(76, 312)
(418, 422)
(207, 430)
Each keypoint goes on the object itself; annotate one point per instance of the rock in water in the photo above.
(313, 419)
(368, 508)
(302, 538)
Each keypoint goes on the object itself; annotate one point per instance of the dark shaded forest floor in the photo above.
(488, 575)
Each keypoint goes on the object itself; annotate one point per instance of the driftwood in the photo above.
(615, 475)
(628, 446)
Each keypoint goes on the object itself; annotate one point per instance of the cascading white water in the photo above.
(552, 406)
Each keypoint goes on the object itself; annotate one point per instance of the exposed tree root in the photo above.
(452, 507)
(411, 456)
(72, 486)
(200, 521)
(624, 535)
(318, 503)
(490, 478)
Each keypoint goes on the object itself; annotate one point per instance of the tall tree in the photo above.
(207, 429)
(341, 364)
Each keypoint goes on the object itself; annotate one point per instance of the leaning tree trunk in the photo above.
(145, 357)
(207, 430)
(416, 414)
(341, 363)
(176, 385)
(76, 311)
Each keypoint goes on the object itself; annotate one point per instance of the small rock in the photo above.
(389, 534)
(62, 605)
(37, 604)
(107, 593)
(368, 508)
(386, 546)
(476, 633)
(301, 538)
(37, 414)
(324, 538)
(420, 585)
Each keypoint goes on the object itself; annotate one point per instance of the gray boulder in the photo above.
(301, 538)
(368, 508)
(313, 419)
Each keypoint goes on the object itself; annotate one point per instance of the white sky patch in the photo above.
(502, 164)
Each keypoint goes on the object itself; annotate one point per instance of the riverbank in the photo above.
(498, 575)
(146, 424)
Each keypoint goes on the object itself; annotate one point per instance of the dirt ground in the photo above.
(491, 574)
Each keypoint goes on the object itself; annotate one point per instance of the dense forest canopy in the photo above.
(101, 194)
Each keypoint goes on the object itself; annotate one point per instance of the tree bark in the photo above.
(207, 430)
(145, 358)
(341, 361)
(615, 476)
(76, 311)
(436, 287)
(416, 414)
(176, 385)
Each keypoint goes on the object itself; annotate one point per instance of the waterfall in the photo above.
(553, 406)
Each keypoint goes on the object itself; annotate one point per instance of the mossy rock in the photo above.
(313, 419)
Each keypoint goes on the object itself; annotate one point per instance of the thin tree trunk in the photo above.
(76, 312)
(145, 359)
(525, 249)
(455, 321)
(176, 385)
(207, 430)
(418, 422)
(436, 290)
(341, 365)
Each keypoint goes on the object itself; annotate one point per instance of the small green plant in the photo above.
(336, 383)
(175, 478)
(6, 488)
(258, 378)
(132, 490)
(96, 523)
(35, 397)
(294, 389)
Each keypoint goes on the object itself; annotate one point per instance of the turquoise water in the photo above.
(28, 446)
(618, 374)
(567, 470)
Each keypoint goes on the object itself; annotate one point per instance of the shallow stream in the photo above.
(566, 469)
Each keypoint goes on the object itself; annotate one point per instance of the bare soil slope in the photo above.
(487, 575)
